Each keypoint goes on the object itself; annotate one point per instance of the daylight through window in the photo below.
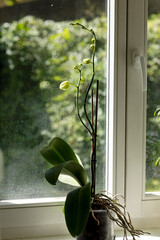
(38, 50)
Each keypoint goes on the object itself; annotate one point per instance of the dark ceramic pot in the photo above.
(93, 231)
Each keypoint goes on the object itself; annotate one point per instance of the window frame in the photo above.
(142, 209)
(130, 108)
(117, 91)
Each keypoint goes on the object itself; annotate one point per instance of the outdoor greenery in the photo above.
(35, 57)
(11, 2)
(153, 103)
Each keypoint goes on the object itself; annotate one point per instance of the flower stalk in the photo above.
(92, 129)
(94, 145)
(77, 101)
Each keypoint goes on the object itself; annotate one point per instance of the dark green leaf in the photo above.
(58, 152)
(70, 168)
(77, 207)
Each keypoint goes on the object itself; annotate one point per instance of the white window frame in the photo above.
(144, 210)
(116, 96)
(125, 155)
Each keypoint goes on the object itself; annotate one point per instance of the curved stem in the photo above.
(89, 87)
(77, 104)
(93, 131)
(94, 142)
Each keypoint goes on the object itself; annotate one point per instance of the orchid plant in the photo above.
(68, 168)
(66, 164)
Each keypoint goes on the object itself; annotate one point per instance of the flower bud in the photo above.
(87, 61)
(82, 80)
(75, 67)
(92, 47)
(91, 30)
(64, 85)
(93, 40)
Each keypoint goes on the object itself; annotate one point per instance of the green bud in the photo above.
(92, 47)
(78, 67)
(75, 67)
(82, 80)
(87, 61)
(64, 85)
(91, 30)
(93, 40)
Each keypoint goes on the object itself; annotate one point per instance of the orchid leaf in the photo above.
(70, 168)
(58, 151)
(77, 208)
(68, 180)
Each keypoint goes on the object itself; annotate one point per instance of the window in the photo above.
(142, 206)
(152, 136)
(38, 51)
(36, 56)
(126, 126)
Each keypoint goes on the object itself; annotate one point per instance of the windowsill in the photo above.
(20, 203)
(155, 235)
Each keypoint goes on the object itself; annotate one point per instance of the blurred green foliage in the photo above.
(153, 97)
(11, 2)
(35, 57)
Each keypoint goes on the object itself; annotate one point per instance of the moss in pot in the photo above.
(89, 216)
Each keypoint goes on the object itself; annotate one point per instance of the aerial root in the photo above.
(118, 213)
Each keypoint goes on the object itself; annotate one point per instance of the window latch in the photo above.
(140, 63)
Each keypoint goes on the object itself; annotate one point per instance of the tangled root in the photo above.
(118, 213)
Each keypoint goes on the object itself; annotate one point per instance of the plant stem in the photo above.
(93, 131)
(94, 142)
(92, 117)
(77, 104)
(90, 85)
(92, 139)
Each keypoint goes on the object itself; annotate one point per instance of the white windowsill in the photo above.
(155, 235)
(20, 203)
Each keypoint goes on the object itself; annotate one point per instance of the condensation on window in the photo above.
(38, 49)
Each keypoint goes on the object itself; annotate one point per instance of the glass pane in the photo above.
(153, 99)
(38, 49)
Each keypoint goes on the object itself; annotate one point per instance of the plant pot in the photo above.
(95, 231)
